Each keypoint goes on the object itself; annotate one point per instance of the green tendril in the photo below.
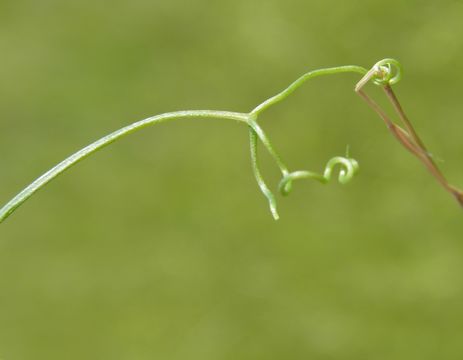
(388, 72)
(268, 145)
(384, 72)
(349, 167)
(307, 76)
(260, 181)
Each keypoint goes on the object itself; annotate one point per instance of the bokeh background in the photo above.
(162, 246)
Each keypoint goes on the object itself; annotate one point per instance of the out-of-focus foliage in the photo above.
(162, 247)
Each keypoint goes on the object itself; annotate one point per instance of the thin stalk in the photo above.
(268, 145)
(25, 194)
(408, 137)
(399, 110)
(260, 180)
(307, 76)
(381, 74)
(249, 118)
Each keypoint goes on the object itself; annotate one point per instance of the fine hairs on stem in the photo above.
(384, 73)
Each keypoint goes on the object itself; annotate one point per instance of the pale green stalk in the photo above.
(40, 182)
(256, 132)
(307, 76)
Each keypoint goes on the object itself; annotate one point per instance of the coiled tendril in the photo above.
(387, 72)
(349, 167)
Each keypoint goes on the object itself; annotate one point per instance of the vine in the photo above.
(384, 73)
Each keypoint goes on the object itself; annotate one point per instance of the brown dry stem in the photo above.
(408, 137)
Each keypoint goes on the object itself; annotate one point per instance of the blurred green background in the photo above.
(163, 247)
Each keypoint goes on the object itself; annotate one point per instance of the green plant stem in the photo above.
(25, 194)
(307, 76)
(268, 145)
(250, 119)
(260, 180)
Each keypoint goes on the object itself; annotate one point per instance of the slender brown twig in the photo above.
(408, 137)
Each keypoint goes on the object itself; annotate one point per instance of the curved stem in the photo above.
(260, 180)
(310, 75)
(14, 203)
(250, 119)
(268, 145)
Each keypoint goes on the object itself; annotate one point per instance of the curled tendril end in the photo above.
(387, 72)
(349, 167)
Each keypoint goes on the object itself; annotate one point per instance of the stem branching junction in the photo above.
(384, 73)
